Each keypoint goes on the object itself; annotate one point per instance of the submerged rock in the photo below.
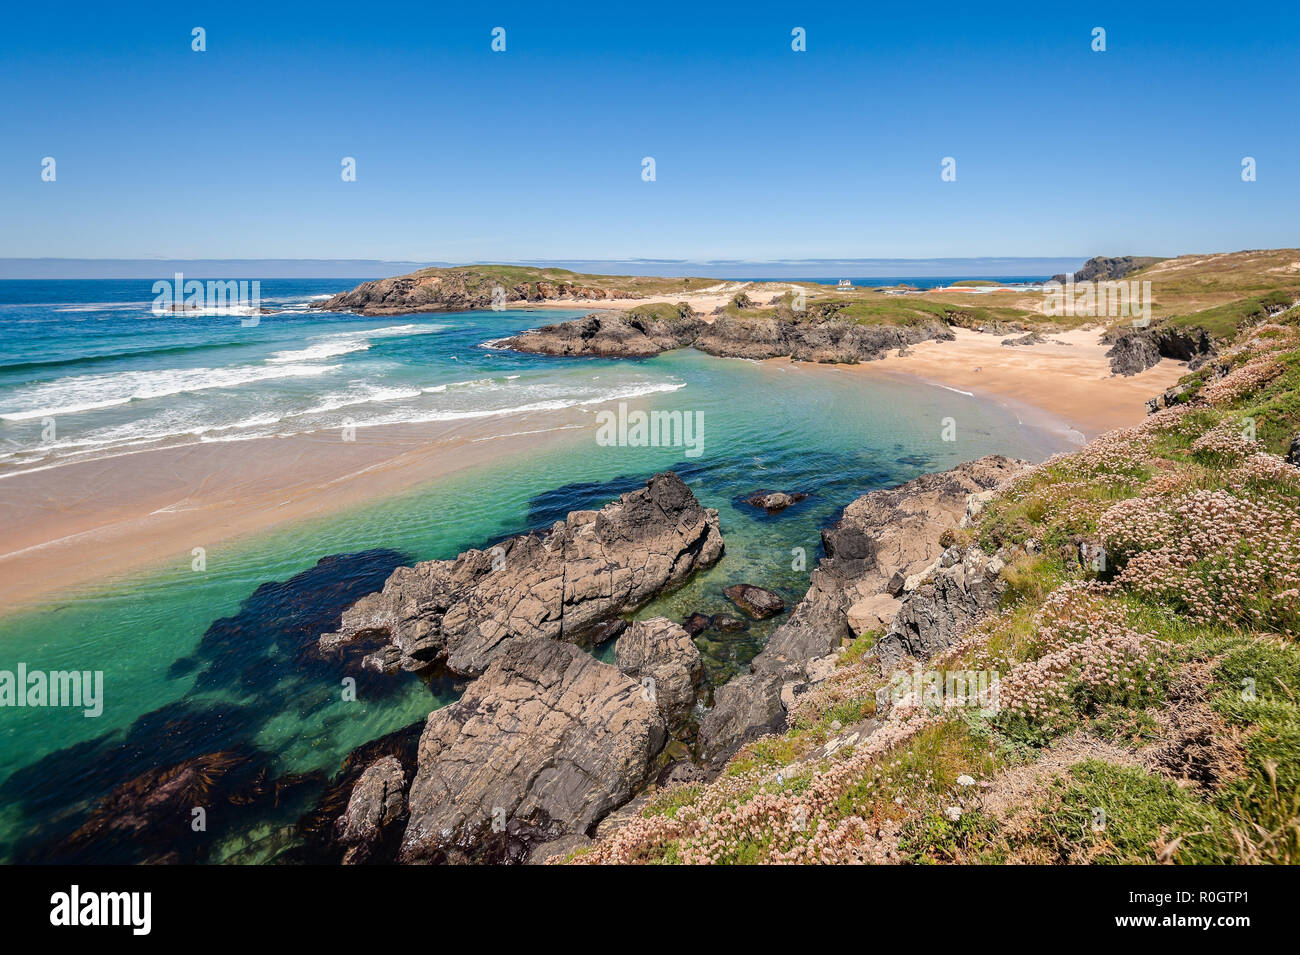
(544, 744)
(562, 583)
(697, 623)
(755, 601)
(776, 501)
(725, 623)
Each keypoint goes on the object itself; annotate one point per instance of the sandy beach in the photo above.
(76, 524)
(79, 523)
(1066, 378)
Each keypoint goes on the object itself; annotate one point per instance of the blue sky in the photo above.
(535, 153)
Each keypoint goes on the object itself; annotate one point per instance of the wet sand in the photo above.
(81, 523)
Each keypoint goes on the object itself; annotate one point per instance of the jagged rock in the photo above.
(776, 501)
(1135, 350)
(1293, 455)
(660, 650)
(962, 590)
(378, 802)
(881, 537)
(820, 337)
(1105, 269)
(542, 745)
(755, 601)
(1132, 353)
(561, 583)
(555, 851)
(611, 335)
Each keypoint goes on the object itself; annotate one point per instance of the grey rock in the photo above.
(1105, 268)
(818, 336)
(755, 601)
(963, 590)
(544, 744)
(562, 583)
(659, 650)
(378, 801)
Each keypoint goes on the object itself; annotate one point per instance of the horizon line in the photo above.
(70, 267)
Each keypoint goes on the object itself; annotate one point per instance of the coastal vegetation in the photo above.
(1146, 638)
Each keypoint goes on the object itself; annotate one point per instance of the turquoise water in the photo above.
(224, 661)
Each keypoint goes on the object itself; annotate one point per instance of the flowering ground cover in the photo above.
(1149, 699)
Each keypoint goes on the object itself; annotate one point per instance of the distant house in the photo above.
(845, 283)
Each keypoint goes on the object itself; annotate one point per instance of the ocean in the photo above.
(223, 662)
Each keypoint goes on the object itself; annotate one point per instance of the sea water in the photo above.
(224, 661)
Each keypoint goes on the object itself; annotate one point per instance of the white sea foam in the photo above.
(91, 392)
(315, 352)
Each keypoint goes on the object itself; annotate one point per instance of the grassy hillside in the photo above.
(1149, 705)
(486, 276)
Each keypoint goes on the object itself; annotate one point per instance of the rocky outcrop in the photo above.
(542, 745)
(774, 501)
(612, 335)
(884, 541)
(660, 655)
(561, 583)
(377, 804)
(1134, 350)
(819, 338)
(1101, 268)
(1032, 338)
(963, 589)
(755, 601)
(447, 290)
(1133, 353)
(1293, 454)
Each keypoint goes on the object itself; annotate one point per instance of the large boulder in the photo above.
(661, 656)
(883, 538)
(562, 583)
(755, 601)
(542, 745)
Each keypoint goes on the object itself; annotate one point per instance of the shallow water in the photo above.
(223, 661)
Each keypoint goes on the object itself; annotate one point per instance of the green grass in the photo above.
(1225, 322)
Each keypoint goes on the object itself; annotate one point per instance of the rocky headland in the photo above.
(454, 290)
(825, 337)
